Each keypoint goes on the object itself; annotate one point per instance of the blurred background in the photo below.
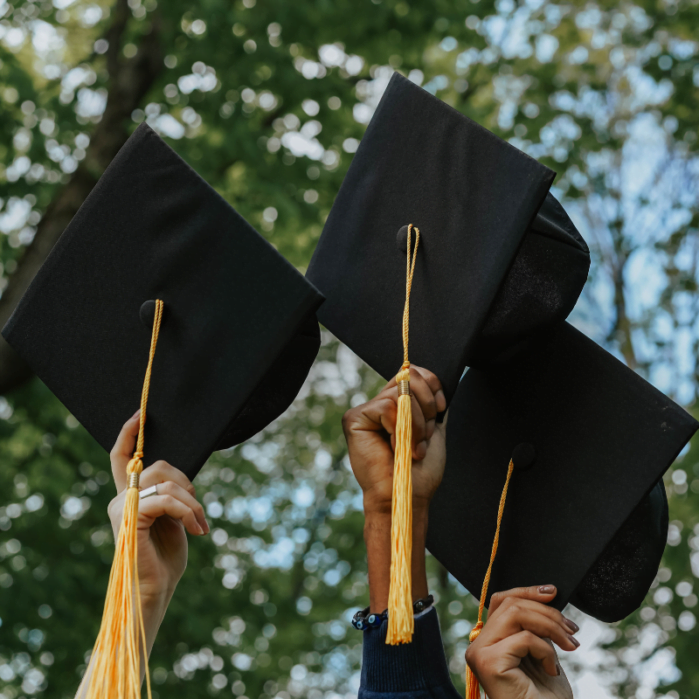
(268, 100)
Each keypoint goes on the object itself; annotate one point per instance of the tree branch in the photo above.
(129, 81)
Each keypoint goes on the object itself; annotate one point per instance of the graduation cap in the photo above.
(238, 334)
(156, 276)
(588, 441)
(475, 200)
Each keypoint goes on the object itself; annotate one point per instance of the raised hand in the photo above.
(514, 655)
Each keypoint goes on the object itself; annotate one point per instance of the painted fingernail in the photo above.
(547, 589)
(571, 625)
(574, 641)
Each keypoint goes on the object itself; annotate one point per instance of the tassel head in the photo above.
(401, 622)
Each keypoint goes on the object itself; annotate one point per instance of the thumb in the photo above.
(123, 450)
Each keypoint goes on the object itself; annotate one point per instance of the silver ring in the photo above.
(153, 490)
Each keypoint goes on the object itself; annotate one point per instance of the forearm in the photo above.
(377, 535)
(154, 608)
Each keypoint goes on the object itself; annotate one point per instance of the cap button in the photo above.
(147, 313)
(402, 239)
(523, 456)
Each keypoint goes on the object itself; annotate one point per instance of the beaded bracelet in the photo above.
(365, 620)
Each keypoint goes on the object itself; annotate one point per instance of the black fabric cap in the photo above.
(620, 578)
(239, 332)
(472, 195)
(602, 436)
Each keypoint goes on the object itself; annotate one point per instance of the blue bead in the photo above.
(360, 625)
(371, 618)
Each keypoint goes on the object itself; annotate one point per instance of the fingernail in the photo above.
(429, 428)
(547, 589)
(199, 530)
(136, 414)
(571, 625)
(558, 670)
(440, 400)
(574, 641)
(208, 528)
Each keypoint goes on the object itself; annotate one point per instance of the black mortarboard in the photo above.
(586, 508)
(238, 334)
(473, 197)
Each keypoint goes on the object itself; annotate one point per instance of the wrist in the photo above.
(379, 507)
(154, 604)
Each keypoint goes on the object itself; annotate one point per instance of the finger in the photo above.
(123, 449)
(377, 414)
(161, 472)
(522, 617)
(419, 432)
(538, 593)
(435, 386)
(179, 493)
(527, 597)
(420, 388)
(159, 505)
(424, 395)
(526, 643)
(419, 429)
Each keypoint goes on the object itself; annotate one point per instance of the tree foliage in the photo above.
(267, 100)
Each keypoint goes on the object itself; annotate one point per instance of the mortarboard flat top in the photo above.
(472, 195)
(603, 437)
(239, 332)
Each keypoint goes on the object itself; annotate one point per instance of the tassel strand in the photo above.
(473, 690)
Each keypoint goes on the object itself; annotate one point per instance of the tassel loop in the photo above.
(475, 632)
(134, 469)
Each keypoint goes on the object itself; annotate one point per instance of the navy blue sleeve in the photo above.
(416, 670)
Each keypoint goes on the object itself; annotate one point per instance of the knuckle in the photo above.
(166, 488)
(113, 508)
(472, 656)
(510, 605)
(348, 418)
(529, 636)
(498, 598)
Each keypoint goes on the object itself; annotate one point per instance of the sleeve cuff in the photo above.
(410, 667)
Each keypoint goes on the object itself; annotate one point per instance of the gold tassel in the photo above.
(116, 657)
(473, 690)
(401, 622)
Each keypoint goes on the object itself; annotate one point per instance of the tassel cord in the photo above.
(473, 690)
(121, 642)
